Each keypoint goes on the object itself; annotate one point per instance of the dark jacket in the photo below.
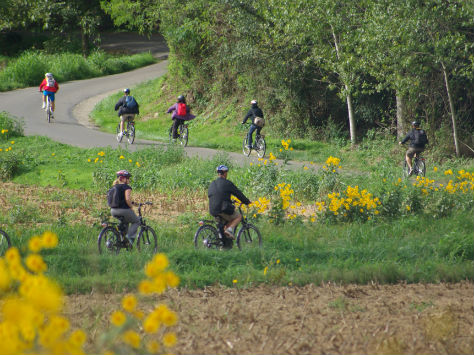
(122, 109)
(255, 111)
(413, 137)
(219, 194)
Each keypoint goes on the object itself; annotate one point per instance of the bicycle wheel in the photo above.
(147, 241)
(183, 135)
(406, 169)
(261, 147)
(170, 133)
(245, 147)
(130, 133)
(119, 136)
(207, 237)
(109, 241)
(5, 242)
(420, 167)
(249, 237)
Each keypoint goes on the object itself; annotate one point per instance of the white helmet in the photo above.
(253, 102)
(49, 75)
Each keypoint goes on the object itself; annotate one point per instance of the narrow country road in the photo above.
(76, 99)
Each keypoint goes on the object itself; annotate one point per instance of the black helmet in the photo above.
(127, 91)
(181, 98)
(416, 123)
(123, 173)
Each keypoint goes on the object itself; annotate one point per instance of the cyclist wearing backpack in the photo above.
(220, 203)
(256, 114)
(49, 86)
(120, 203)
(127, 108)
(418, 141)
(180, 113)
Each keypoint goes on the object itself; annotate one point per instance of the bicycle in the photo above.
(210, 235)
(5, 242)
(112, 237)
(418, 165)
(129, 131)
(259, 145)
(183, 134)
(48, 109)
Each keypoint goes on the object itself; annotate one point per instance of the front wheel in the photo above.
(5, 242)
(249, 237)
(131, 133)
(245, 147)
(261, 147)
(147, 241)
(206, 237)
(119, 135)
(109, 241)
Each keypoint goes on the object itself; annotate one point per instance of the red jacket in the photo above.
(44, 86)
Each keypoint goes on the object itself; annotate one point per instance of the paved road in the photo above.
(76, 99)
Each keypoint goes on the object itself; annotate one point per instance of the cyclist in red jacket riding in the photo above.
(180, 114)
(49, 86)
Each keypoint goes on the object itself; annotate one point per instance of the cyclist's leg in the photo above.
(259, 130)
(122, 120)
(52, 97)
(129, 217)
(176, 123)
(44, 98)
(249, 136)
(233, 221)
(409, 156)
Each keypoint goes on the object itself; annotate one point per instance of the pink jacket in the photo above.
(175, 115)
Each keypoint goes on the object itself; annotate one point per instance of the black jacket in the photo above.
(413, 137)
(255, 111)
(219, 194)
(122, 109)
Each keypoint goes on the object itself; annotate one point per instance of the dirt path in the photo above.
(373, 319)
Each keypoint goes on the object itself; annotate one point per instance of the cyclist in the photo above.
(180, 114)
(418, 140)
(127, 108)
(124, 202)
(256, 114)
(220, 203)
(49, 86)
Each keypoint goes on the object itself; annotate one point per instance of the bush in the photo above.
(9, 126)
(9, 164)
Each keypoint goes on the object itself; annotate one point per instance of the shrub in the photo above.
(9, 126)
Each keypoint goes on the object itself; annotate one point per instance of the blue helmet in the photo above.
(127, 91)
(222, 168)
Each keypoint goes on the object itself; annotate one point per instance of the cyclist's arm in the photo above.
(128, 197)
(247, 116)
(239, 194)
(119, 103)
(407, 137)
(171, 109)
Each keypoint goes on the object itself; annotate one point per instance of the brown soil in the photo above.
(370, 319)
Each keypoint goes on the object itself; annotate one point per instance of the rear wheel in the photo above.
(420, 167)
(406, 169)
(183, 135)
(119, 136)
(245, 148)
(170, 134)
(261, 147)
(109, 241)
(249, 237)
(206, 237)
(5, 242)
(131, 133)
(147, 241)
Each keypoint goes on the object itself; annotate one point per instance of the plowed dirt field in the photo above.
(350, 319)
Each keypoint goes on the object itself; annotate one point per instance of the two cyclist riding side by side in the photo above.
(49, 87)
(418, 141)
(127, 108)
(180, 113)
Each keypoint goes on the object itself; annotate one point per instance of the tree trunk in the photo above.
(451, 108)
(85, 43)
(350, 110)
(400, 116)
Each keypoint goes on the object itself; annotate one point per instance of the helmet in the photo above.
(123, 173)
(222, 168)
(416, 123)
(253, 102)
(127, 91)
(181, 98)
(49, 75)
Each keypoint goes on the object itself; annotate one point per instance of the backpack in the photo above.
(181, 111)
(131, 103)
(420, 138)
(50, 82)
(113, 199)
(259, 121)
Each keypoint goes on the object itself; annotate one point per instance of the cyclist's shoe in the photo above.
(249, 147)
(120, 134)
(229, 233)
(44, 105)
(52, 115)
(410, 173)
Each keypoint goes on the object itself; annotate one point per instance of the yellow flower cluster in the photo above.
(285, 193)
(464, 184)
(262, 204)
(101, 155)
(158, 277)
(4, 131)
(332, 163)
(352, 202)
(31, 304)
(7, 149)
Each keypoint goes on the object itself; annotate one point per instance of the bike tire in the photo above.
(109, 241)
(421, 168)
(119, 137)
(183, 136)
(170, 134)
(261, 147)
(147, 242)
(130, 133)
(406, 170)
(249, 237)
(245, 149)
(5, 242)
(207, 237)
